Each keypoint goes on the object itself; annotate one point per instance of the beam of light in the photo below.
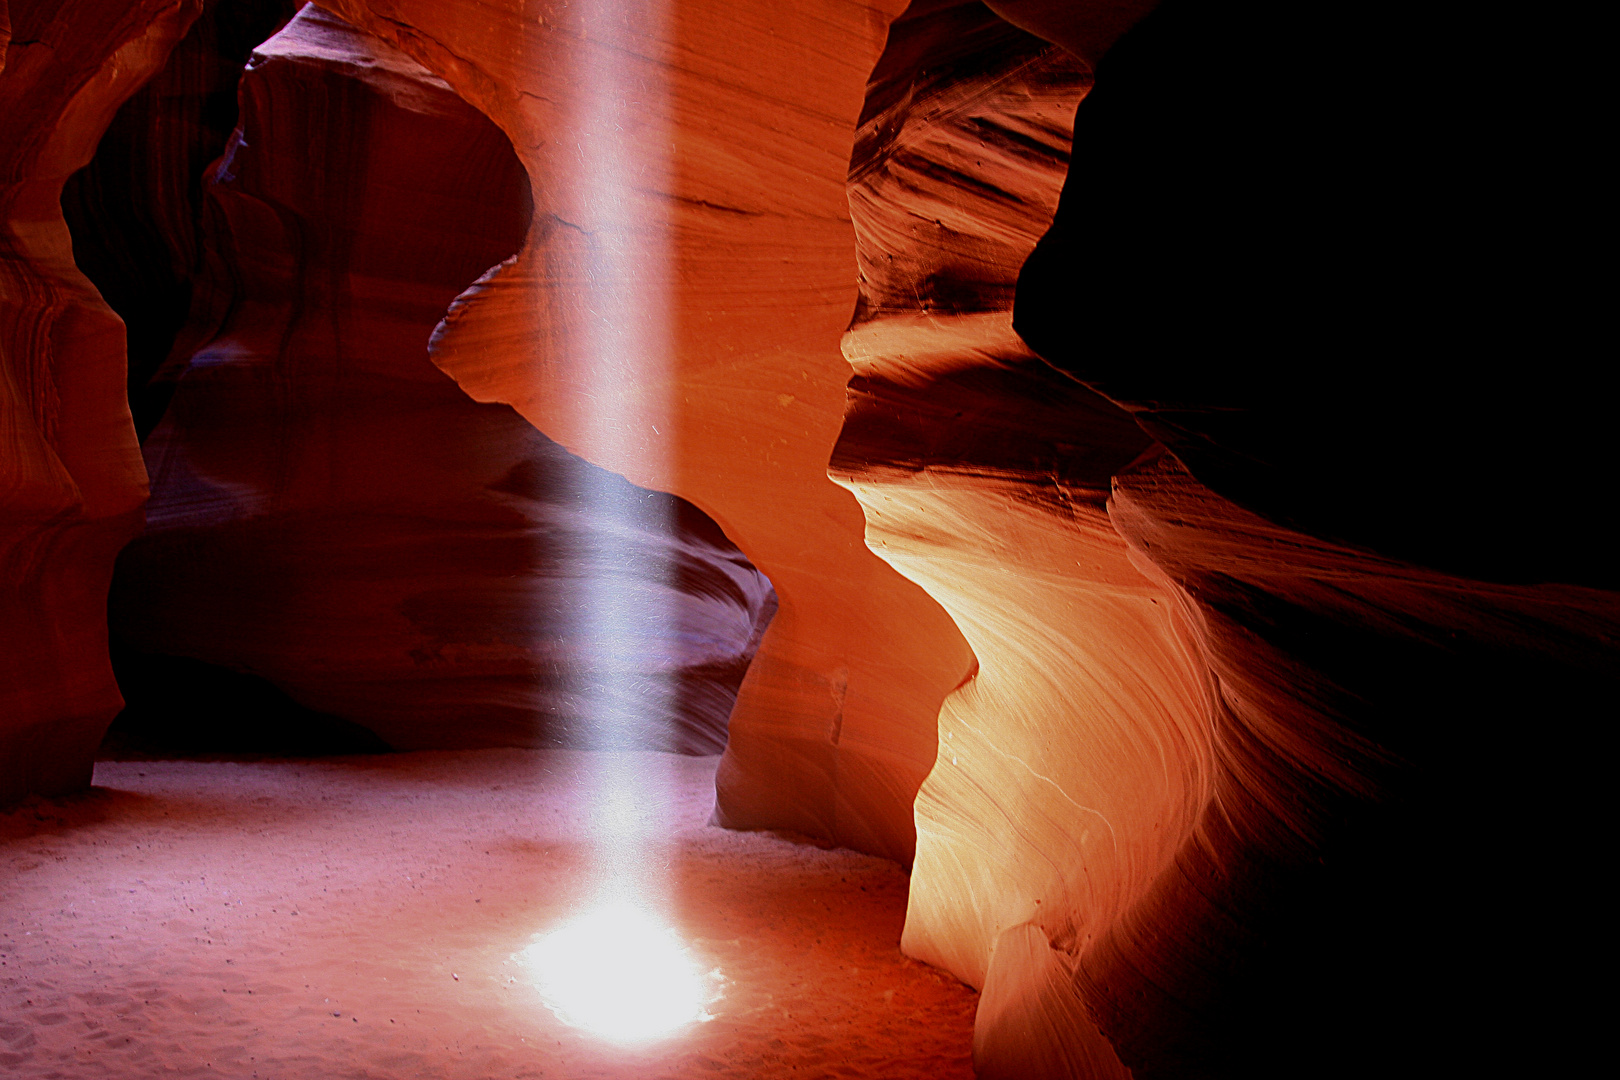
(615, 972)
(620, 349)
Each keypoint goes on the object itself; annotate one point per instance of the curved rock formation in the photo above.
(331, 512)
(1365, 708)
(1295, 631)
(1206, 808)
(1075, 762)
(135, 211)
(1339, 519)
(740, 136)
(71, 482)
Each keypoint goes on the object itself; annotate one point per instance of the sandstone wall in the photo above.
(1074, 762)
(1275, 633)
(1308, 644)
(742, 128)
(331, 512)
(135, 211)
(71, 481)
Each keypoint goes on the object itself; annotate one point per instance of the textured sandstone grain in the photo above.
(1361, 630)
(1074, 762)
(1281, 751)
(1364, 708)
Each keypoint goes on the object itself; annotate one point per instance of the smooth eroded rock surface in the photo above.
(1074, 761)
(1234, 619)
(720, 203)
(71, 481)
(1211, 804)
(331, 512)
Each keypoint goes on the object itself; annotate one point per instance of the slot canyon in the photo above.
(1023, 539)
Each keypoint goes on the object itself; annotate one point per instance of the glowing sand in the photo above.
(618, 974)
(406, 870)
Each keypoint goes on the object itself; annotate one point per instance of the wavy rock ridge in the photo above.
(1273, 640)
(1203, 809)
(1074, 763)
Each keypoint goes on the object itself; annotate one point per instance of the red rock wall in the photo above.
(71, 482)
(1288, 281)
(747, 154)
(1075, 761)
(331, 512)
(1331, 890)
(1270, 763)
(1286, 664)
(135, 211)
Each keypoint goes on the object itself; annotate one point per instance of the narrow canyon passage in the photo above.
(1109, 496)
(360, 917)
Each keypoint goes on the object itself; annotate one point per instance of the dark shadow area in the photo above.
(1352, 298)
(176, 706)
(135, 211)
(1345, 292)
(59, 815)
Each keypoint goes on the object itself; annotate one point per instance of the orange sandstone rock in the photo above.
(1074, 762)
(720, 247)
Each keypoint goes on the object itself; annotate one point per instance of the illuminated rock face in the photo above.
(1270, 762)
(739, 167)
(71, 482)
(331, 511)
(1075, 762)
(835, 727)
(1204, 809)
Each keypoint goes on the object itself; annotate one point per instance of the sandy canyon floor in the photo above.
(361, 917)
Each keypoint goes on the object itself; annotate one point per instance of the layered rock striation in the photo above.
(1355, 515)
(1274, 635)
(1260, 626)
(331, 512)
(1074, 762)
(1365, 709)
(735, 128)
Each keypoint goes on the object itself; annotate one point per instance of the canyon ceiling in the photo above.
(1151, 487)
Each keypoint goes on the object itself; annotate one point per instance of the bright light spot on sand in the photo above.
(618, 974)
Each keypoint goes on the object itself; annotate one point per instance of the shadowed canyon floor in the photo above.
(359, 917)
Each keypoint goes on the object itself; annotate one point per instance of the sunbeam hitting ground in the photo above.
(374, 918)
(615, 972)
